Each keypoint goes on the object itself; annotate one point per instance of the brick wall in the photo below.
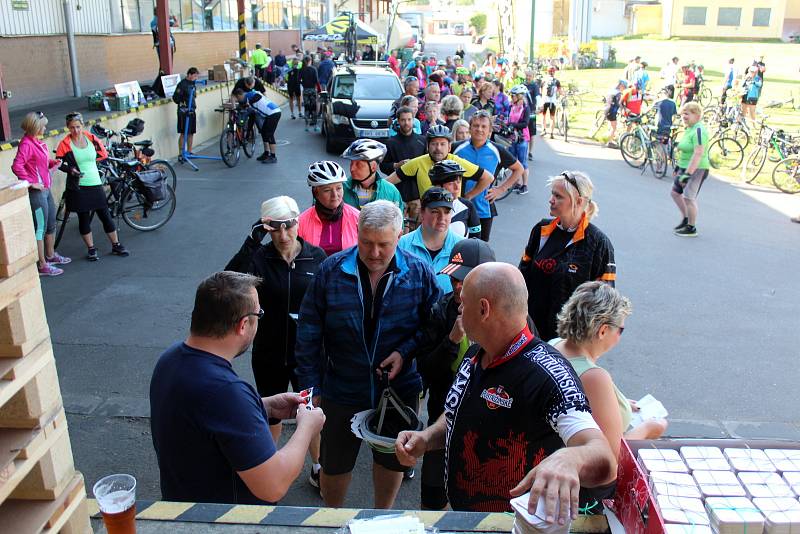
(37, 70)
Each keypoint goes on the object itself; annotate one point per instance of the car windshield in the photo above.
(366, 87)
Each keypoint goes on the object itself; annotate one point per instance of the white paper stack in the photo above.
(749, 460)
(760, 484)
(674, 485)
(718, 484)
(665, 460)
(784, 459)
(782, 515)
(674, 528)
(793, 479)
(734, 515)
(682, 510)
(387, 525)
(526, 523)
(705, 459)
(649, 408)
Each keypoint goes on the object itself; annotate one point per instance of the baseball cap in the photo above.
(436, 197)
(465, 256)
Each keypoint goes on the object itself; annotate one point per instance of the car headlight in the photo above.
(339, 119)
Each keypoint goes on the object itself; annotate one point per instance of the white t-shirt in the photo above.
(670, 73)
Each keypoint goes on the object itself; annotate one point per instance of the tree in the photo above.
(478, 22)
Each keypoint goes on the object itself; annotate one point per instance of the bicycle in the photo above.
(641, 148)
(237, 135)
(786, 174)
(704, 96)
(562, 117)
(142, 199)
(140, 151)
(310, 108)
(769, 141)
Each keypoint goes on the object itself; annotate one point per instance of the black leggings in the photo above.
(85, 221)
(486, 228)
(269, 126)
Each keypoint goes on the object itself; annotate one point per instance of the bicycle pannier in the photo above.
(153, 185)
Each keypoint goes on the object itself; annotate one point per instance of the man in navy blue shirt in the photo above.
(209, 426)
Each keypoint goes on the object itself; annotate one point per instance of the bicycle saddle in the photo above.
(146, 143)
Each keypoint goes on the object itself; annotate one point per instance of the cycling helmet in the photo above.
(440, 130)
(462, 70)
(445, 171)
(519, 89)
(325, 173)
(551, 70)
(366, 150)
(623, 83)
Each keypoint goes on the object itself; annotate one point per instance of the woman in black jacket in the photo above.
(286, 266)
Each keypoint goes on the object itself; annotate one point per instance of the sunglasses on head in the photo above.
(275, 225)
(571, 179)
(74, 116)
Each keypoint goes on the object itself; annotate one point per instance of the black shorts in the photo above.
(749, 101)
(532, 126)
(339, 446)
(273, 378)
(551, 106)
(612, 117)
(182, 122)
(294, 90)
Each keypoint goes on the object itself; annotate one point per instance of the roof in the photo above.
(363, 69)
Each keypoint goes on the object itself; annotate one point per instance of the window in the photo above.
(761, 16)
(729, 16)
(442, 24)
(694, 16)
(369, 87)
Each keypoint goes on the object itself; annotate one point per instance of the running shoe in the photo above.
(58, 259)
(300, 114)
(530, 157)
(313, 477)
(293, 117)
(119, 250)
(523, 190)
(684, 223)
(50, 270)
(263, 156)
(687, 231)
(92, 254)
(551, 135)
(271, 159)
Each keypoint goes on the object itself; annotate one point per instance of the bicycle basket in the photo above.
(152, 184)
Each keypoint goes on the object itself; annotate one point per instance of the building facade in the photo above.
(757, 19)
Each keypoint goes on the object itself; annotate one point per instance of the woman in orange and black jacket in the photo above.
(79, 153)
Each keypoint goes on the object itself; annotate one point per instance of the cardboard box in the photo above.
(222, 72)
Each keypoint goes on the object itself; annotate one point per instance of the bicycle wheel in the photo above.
(658, 161)
(574, 101)
(754, 164)
(633, 150)
(499, 179)
(786, 175)
(599, 121)
(249, 145)
(725, 153)
(140, 214)
(166, 169)
(62, 216)
(229, 147)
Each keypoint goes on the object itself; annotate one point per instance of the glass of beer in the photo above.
(116, 498)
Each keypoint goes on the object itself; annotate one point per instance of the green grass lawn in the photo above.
(595, 83)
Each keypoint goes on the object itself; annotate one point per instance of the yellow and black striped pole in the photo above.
(242, 31)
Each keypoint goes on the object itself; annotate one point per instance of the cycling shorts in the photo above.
(690, 189)
(551, 106)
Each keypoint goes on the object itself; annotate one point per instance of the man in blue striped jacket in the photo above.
(363, 314)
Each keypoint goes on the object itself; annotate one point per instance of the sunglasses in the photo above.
(571, 179)
(259, 314)
(411, 79)
(438, 196)
(274, 226)
(620, 328)
(40, 114)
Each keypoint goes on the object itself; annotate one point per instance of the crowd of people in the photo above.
(389, 278)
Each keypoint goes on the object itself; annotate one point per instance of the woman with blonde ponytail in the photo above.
(565, 250)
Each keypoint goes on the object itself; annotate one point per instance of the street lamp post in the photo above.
(531, 45)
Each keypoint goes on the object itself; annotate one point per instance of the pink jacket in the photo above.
(33, 161)
(311, 226)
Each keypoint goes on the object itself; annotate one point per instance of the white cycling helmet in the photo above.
(324, 173)
(519, 89)
(365, 150)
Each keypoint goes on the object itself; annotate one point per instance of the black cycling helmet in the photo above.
(445, 171)
(439, 131)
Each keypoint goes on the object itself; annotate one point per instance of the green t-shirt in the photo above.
(86, 158)
(692, 137)
(258, 57)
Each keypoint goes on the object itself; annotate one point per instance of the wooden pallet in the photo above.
(23, 324)
(21, 450)
(25, 516)
(31, 405)
(16, 374)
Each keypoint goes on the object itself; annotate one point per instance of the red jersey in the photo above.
(632, 100)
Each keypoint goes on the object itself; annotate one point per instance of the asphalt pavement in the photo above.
(714, 333)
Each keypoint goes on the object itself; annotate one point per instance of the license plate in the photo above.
(375, 133)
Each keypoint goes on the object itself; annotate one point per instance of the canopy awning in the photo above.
(334, 31)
